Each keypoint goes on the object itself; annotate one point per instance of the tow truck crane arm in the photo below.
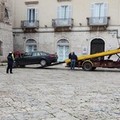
(96, 55)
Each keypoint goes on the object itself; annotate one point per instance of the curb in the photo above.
(3, 64)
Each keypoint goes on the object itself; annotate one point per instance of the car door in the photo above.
(27, 58)
(22, 60)
(35, 58)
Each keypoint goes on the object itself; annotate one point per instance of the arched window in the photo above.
(1, 51)
(31, 45)
(63, 42)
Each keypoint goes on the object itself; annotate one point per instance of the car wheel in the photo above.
(43, 63)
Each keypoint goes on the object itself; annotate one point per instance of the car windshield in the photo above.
(44, 53)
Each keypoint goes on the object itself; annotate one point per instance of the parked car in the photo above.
(36, 57)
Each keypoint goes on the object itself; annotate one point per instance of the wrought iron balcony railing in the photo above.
(98, 21)
(26, 24)
(67, 22)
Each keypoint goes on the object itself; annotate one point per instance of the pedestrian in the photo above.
(73, 58)
(10, 60)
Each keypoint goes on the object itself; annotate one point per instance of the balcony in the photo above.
(101, 22)
(29, 25)
(62, 24)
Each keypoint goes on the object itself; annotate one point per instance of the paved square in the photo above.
(57, 93)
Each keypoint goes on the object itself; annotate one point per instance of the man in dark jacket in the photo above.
(10, 60)
(73, 59)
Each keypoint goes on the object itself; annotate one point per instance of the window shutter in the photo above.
(92, 10)
(62, 12)
(36, 14)
(105, 9)
(69, 11)
(27, 13)
(59, 12)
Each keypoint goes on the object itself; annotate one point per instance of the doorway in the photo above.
(97, 46)
(62, 49)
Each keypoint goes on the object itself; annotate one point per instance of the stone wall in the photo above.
(78, 40)
(6, 39)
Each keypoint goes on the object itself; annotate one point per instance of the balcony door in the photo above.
(32, 14)
(64, 14)
(99, 12)
(62, 49)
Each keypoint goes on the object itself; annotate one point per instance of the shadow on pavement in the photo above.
(67, 68)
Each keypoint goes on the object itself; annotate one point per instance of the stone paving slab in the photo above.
(57, 93)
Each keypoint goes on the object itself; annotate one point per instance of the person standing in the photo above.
(10, 60)
(73, 58)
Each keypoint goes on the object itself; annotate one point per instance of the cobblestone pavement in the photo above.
(57, 93)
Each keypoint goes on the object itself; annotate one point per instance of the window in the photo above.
(31, 45)
(64, 11)
(32, 14)
(99, 13)
(99, 9)
(36, 54)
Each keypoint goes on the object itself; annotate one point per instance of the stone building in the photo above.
(6, 37)
(61, 26)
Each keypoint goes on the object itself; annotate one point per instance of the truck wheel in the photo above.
(43, 63)
(87, 66)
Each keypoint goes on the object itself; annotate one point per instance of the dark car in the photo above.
(37, 57)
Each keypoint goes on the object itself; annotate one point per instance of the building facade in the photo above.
(6, 36)
(62, 26)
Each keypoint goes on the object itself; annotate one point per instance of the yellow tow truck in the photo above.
(91, 62)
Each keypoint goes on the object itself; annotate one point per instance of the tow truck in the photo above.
(92, 61)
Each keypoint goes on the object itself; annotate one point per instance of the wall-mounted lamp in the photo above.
(24, 38)
(45, 26)
(13, 35)
(80, 24)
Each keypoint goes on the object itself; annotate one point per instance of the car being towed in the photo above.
(36, 57)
